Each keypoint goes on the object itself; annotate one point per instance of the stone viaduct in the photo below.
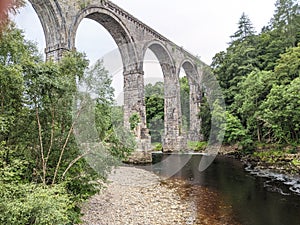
(60, 20)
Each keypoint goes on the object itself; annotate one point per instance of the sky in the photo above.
(201, 27)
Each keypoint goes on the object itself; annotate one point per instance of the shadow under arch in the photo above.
(115, 28)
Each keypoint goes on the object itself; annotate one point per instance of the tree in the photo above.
(154, 100)
(280, 112)
(283, 32)
(253, 91)
(156, 89)
(185, 101)
(39, 151)
(245, 29)
(288, 66)
(205, 116)
(286, 21)
(15, 55)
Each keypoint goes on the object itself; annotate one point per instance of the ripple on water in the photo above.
(291, 183)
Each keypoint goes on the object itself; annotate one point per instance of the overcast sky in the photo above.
(201, 27)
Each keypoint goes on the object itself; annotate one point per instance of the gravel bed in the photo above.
(137, 197)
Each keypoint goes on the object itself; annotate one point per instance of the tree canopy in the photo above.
(259, 74)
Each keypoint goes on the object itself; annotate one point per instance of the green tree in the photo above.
(156, 89)
(154, 100)
(253, 91)
(280, 113)
(238, 61)
(38, 148)
(205, 116)
(185, 102)
(245, 29)
(288, 66)
(286, 21)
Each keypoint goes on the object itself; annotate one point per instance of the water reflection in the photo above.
(231, 195)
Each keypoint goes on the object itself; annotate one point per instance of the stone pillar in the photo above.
(55, 52)
(134, 102)
(174, 137)
(195, 121)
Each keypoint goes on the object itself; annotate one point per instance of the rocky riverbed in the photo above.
(135, 196)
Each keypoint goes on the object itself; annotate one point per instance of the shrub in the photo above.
(197, 145)
(36, 204)
(158, 147)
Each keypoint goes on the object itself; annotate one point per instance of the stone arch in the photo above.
(162, 54)
(117, 29)
(194, 99)
(51, 23)
(190, 70)
(173, 139)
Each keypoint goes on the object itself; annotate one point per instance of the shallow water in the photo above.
(227, 189)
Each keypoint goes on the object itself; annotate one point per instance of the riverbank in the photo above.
(135, 196)
(284, 160)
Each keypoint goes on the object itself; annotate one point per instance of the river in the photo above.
(227, 193)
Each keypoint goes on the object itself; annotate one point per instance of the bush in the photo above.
(158, 147)
(197, 145)
(36, 204)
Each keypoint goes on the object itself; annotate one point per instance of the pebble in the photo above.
(137, 197)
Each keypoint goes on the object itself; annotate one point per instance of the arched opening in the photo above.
(184, 99)
(154, 97)
(114, 27)
(94, 46)
(28, 21)
(171, 138)
(111, 42)
(190, 100)
(101, 46)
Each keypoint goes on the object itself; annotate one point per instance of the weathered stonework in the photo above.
(60, 20)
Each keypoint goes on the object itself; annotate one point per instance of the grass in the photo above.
(197, 145)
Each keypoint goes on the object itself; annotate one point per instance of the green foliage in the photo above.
(288, 66)
(44, 169)
(253, 91)
(134, 120)
(197, 145)
(35, 204)
(154, 100)
(259, 76)
(157, 89)
(158, 147)
(218, 123)
(280, 112)
(286, 21)
(235, 132)
(245, 29)
(185, 102)
(14, 166)
(205, 116)
(240, 59)
(269, 156)
(296, 162)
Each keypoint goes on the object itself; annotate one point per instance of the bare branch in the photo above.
(41, 144)
(52, 136)
(74, 161)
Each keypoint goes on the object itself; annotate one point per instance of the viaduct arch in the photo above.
(60, 20)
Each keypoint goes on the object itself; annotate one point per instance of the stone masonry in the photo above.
(60, 20)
